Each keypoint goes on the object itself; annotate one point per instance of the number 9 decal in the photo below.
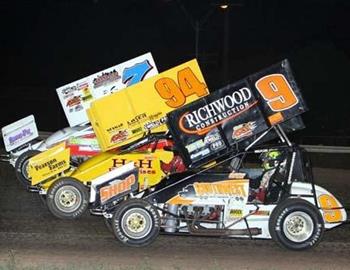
(331, 209)
(277, 92)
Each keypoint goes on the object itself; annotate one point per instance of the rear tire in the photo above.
(21, 167)
(296, 224)
(136, 223)
(67, 198)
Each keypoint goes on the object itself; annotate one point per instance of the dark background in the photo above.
(48, 43)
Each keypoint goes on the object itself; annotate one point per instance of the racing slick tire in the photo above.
(296, 224)
(21, 167)
(67, 198)
(136, 223)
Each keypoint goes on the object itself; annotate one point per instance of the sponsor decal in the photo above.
(195, 145)
(117, 187)
(73, 101)
(113, 128)
(137, 130)
(260, 212)
(154, 116)
(76, 94)
(78, 108)
(235, 175)
(85, 145)
(212, 137)
(243, 130)
(202, 120)
(147, 171)
(203, 152)
(85, 92)
(48, 163)
(106, 78)
(87, 141)
(51, 164)
(236, 213)
(137, 119)
(20, 136)
(204, 191)
(222, 189)
(120, 136)
(145, 165)
(217, 145)
(156, 123)
(69, 90)
(202, 147)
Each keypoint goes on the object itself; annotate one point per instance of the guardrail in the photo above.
(327, 149)
(325, 140)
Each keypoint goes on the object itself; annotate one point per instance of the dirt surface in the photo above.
(31, 238)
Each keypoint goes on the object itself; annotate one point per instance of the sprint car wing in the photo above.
(233, 117)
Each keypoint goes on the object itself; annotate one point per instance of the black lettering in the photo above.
(143, 162)
(117, 162)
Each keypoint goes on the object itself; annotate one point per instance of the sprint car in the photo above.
(293, 210)
(228, 199)
(229, 188)
(80, 139)
(22, 143)
(68, 189)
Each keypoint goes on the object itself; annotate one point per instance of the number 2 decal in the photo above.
(176, 93)
(136, 73)
(277, 92)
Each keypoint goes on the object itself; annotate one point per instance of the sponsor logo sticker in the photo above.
(117, 187)
(27, 132)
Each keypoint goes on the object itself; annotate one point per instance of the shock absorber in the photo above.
(171, 222)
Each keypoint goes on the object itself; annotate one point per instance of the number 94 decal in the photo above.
(187, 85)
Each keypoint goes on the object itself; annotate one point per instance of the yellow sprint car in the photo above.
(67, 188)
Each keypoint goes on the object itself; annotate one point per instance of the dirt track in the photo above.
(30, 237)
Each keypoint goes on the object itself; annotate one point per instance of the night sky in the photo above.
(48, 43)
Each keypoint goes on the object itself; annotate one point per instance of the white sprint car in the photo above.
(22, 141)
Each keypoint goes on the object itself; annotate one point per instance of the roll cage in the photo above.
(297, 168)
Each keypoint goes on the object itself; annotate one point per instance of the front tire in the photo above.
(136, 223)
(296, 224)
(67, 198)
(21, 167)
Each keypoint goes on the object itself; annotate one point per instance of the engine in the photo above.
(209, 214)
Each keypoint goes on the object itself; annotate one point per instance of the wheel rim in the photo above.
(136, 223)
(298, 226)
(24, 170)
(68, 199)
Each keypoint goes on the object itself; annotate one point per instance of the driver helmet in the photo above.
(271, 159)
